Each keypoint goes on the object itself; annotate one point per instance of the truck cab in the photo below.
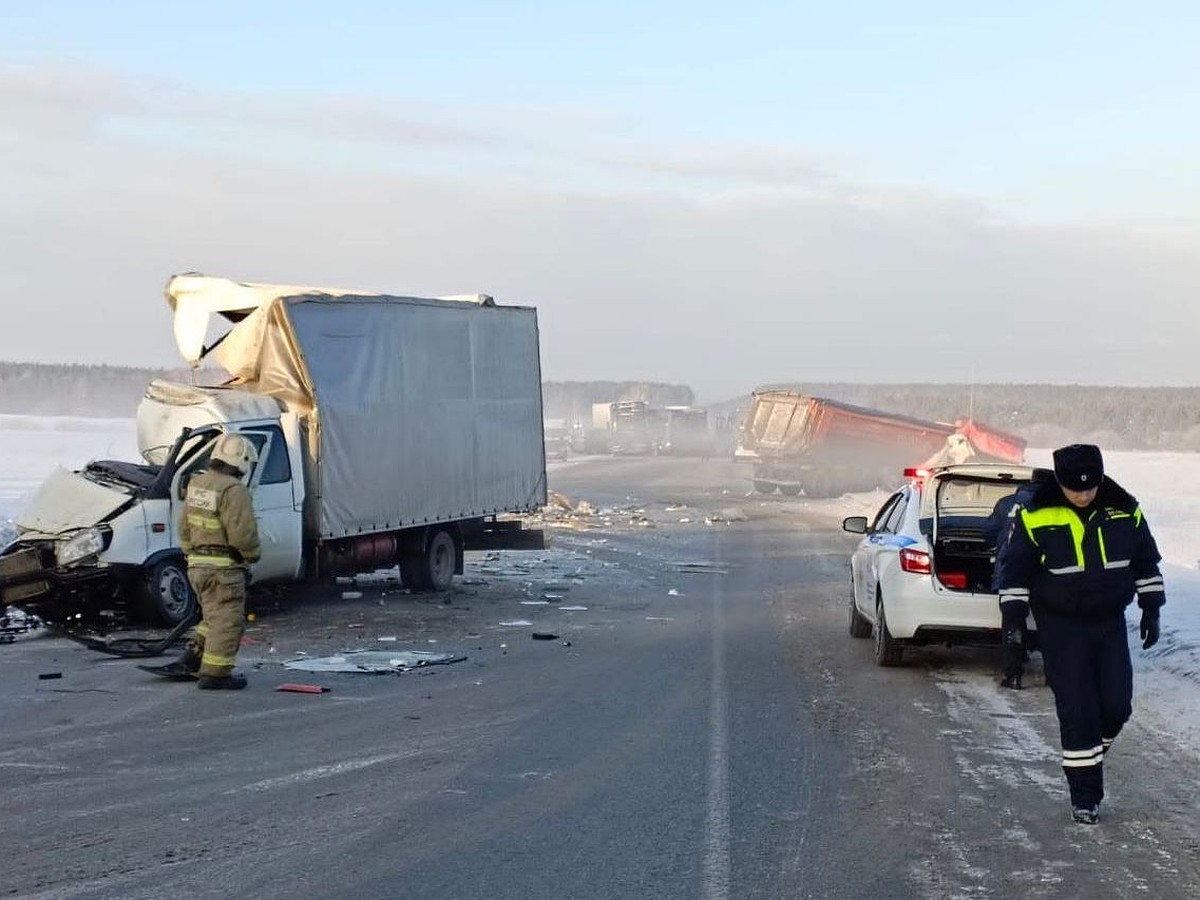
(109, 531)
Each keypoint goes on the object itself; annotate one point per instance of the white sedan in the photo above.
(922, 573)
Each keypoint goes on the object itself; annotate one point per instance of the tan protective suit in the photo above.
(219, 535)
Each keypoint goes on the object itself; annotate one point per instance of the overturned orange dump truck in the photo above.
(825, 447)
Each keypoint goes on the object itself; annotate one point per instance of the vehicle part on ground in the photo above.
(372, 662)
(135, 647)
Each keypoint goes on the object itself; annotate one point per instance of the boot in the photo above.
(221, 682)
(1086, 815)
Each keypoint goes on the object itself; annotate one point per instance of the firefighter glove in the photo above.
(1149, 629)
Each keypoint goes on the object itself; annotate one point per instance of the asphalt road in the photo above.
(688, 734)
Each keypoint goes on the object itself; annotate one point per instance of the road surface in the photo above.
(701, 726)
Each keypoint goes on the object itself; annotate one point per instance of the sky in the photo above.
(716, 194)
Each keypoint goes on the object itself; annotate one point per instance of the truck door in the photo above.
(275, 506)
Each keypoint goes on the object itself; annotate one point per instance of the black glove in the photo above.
(1149, 629)
(1012, 642)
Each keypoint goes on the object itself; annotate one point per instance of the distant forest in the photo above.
(1044, 414)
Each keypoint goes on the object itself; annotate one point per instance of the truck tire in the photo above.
(764, 487)
(789, 490)
(434, 569)
(167, 596)
(888, 650)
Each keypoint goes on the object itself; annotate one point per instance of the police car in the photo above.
(922, 573)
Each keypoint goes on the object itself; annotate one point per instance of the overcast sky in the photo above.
(709, 193)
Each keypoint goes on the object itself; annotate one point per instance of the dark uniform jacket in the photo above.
(1081, 563)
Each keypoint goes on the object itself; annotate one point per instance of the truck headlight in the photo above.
(81, 545)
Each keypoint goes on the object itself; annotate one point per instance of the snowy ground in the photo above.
(1167, 484)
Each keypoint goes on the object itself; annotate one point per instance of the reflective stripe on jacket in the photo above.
(1080, 562)
(217, 529)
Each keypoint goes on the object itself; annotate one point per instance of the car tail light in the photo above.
(917, 474)
(953, 579)
(915, 561)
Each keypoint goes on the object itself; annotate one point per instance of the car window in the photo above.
(884, 512)
(892, 524)
(276, 468)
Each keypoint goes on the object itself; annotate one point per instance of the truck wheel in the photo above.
(789, 490)
(434, 569)
(167, 595)
(860, 625)
(765, 487)
(888, 650)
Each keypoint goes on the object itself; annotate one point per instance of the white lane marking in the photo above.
(317, 772)
(715, 878)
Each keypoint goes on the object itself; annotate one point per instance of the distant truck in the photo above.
(390, 431)
(685, 431)
(557, 437)
(825, 447)
(624, 427)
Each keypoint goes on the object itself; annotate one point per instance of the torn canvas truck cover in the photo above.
(389, 422)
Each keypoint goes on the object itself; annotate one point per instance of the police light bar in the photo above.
(918, 474)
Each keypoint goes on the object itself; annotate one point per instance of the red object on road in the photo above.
(303, 688)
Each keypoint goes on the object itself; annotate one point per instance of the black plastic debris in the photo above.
(544, 636)
(47, 676)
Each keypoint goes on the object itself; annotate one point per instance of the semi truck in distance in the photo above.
(825, 447)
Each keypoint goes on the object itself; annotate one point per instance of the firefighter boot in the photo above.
(221, 682)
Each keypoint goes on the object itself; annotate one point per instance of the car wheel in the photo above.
(789, 490)
(167, 595)
(888, 650)
(860, 625)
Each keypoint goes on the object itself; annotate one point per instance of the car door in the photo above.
(276, 506)
(865, 557)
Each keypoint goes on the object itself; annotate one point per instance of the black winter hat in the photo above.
(1079, 467)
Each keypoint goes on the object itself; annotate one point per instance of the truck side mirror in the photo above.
(855, 524)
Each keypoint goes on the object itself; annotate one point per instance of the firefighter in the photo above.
(1078, 552)
(220, 537)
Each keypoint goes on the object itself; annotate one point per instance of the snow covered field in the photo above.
(1167, 484)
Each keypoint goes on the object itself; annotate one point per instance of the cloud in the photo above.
(774, 269)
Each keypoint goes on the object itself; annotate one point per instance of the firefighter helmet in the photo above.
(236, 451)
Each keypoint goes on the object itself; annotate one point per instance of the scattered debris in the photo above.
(386, 637)
(351, 595)
(659, 619)
(673, 593)
(573, 608)
(516, 623)
(15, 622)
(293, 688)
(535, 602)
(356, 625)
(550, 596)
(700, 568)
(47, 676)
(731, 514)
(372, 662)
(544, 636)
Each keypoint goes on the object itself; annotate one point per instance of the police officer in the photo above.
(1077, 553)
(219, 535)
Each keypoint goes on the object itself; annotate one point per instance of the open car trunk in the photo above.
(970, 514)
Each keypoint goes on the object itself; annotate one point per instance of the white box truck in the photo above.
(391, 431)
